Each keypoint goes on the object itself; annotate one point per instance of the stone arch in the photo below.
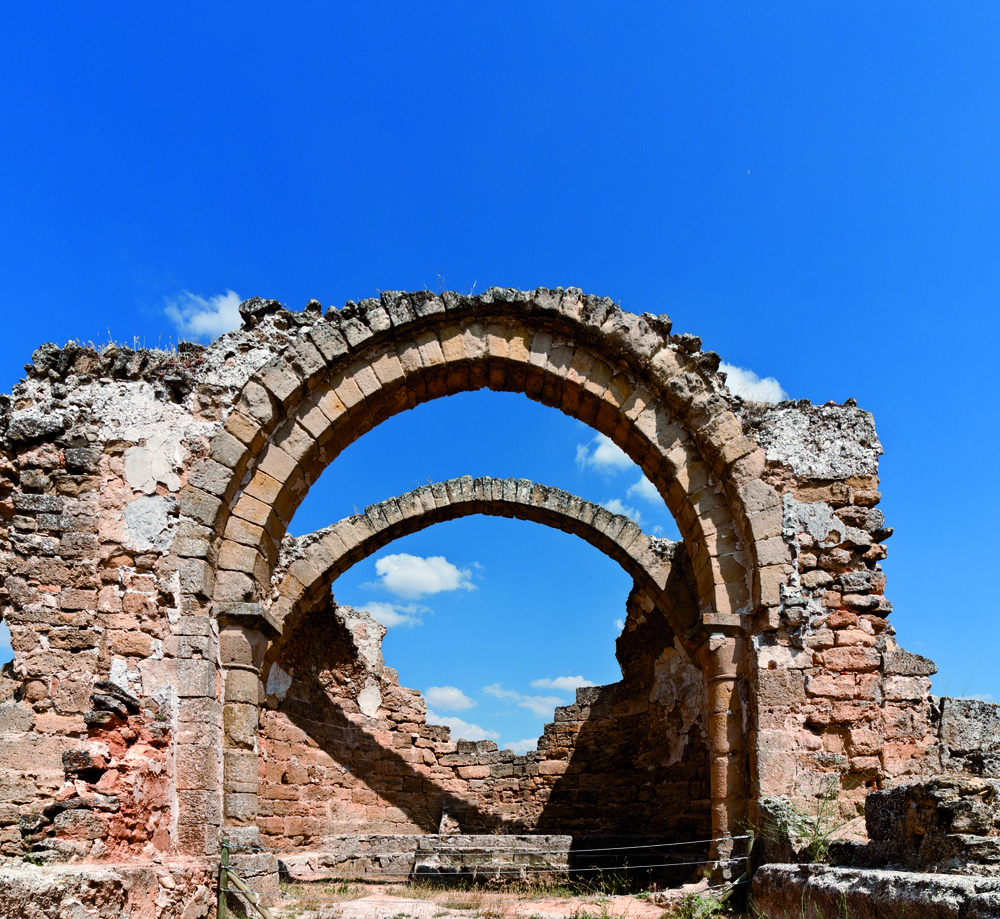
(655, 395)
(650, 726)
(659, 567)
(621, 374)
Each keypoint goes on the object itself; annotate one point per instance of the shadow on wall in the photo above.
(635, 753)
(626, 760)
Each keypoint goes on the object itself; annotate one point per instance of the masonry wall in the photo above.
(841, 710)
(346, 749)
(110, 535)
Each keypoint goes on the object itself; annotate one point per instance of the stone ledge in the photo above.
(820, 892)
(250, 615)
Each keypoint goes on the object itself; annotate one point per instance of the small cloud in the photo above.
(540, 706)
(520, 747)
(616, 506)
(203, 317)
(412, 577)
(564, 683)
(392, 615)
(747, 385)
(462, 730)
(602, 454)
(646, 490)
(620, 625)
(498, 692)
(981, 697)
(449, 698)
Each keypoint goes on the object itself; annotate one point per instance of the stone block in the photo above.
(234, 587)
(903, 663)
(240, 807)
(241, 686)
(15, 717)
(78, 600)
(80, 824)
(196, 678)
(906, 688)
(197, 766)
(858, 659)
(240, 723)
(781, 688)
(199, 506)
(129, 643)
(197, 577)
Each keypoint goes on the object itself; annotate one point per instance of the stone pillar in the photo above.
(242, 644)
(725, 740)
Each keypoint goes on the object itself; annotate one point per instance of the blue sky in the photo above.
(813, 189)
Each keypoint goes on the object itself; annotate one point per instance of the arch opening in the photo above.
(622, 375)
(630, 758)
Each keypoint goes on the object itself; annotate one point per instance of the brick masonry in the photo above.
(144, 500)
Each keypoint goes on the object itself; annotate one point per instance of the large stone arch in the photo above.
(621, 374)
(659, 567)
(654, 395)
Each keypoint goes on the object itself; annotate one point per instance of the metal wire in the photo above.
(486, 871)
(453, 851)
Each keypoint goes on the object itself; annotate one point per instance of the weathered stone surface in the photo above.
(821, 891)
(148, 496)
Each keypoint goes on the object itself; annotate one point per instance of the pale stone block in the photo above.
(242, 686)
(280, 380)
(256, 403)
(240, 769)
(197, 766)
(237, 557)
(431, 354)
(196, 678)
(240, 724)
(252, 510)
(781, 688)
(240, 808)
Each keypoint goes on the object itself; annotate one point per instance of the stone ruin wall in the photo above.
(113, 741)
(841, 709)
(345, 749)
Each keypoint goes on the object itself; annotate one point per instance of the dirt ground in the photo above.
(371, 901)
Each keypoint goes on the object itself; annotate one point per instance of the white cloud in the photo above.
(616, 506)
(603, 455)
(522, 746)
(564, 683)
(646, 490)
(450, 698)
(462, 730)
(204, 318)
(620, 624)
(394, 614)
(981, 697)
(540, 706)
(747, 385)
(412, 577)
(498, 692)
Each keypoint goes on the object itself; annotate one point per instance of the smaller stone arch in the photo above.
(659, 567)
(641, 740)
